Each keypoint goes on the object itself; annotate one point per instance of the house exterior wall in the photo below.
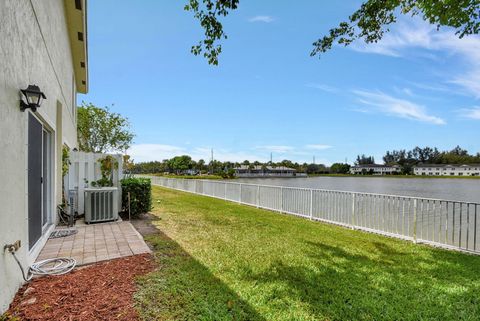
(34, 49)
(448, 170)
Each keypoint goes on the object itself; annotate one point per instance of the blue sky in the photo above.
(418, 86)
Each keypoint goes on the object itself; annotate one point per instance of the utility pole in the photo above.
(271, 158)
(314, 159)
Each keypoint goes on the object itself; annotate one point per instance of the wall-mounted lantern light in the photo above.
(33, 96)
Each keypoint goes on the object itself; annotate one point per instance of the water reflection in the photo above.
(442, 188)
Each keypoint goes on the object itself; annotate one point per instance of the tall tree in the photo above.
(364, 160)
(287, 163)
(315, 169)
(429, 155)
(369, 23)
(459, 151)
(101, 131)
(339, 168)
(201, 165)
(180, 163)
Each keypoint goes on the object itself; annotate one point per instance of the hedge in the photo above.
(140, 190)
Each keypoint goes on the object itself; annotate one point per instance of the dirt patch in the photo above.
(143, 224)
(103, 291)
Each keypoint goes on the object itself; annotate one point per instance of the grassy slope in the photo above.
(223, 261)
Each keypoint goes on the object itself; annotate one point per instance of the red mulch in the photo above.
(98, 292)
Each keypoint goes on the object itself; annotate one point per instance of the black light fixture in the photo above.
(33, 96)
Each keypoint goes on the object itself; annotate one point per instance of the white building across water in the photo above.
(447, 170)
(375, 169)
(266, 171)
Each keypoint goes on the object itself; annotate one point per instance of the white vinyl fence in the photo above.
(83, 170)
(449, 224)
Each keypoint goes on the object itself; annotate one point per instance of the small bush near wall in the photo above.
(140, 190)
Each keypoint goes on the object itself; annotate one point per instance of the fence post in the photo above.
(415, 220)
(258, 196)
(281, 199)
(353, 210)
(311, 204)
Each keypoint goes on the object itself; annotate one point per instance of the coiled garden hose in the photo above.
(56, 266)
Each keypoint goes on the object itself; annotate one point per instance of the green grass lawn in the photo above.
(222, 261)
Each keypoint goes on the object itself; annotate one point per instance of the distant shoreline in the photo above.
(392, 176)
(215, 177)
(212, 177)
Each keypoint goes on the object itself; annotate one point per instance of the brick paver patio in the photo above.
(97, 242)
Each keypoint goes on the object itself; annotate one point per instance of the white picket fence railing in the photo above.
(444, 223)
(84, 169)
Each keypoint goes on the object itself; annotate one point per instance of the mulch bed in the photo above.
(103, 291)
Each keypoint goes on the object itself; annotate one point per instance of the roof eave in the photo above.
(76, 14)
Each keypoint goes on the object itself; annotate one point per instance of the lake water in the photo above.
(441, 188)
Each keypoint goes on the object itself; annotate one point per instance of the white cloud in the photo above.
(404, 91)
(396, 107)
(225, 155)
(265, 19)
(159, 152)
(318, 146)
(397, 42)
(417, 34)
(436, 88)
(470, 81)
(323, 87)
(471, 113)
(152, 152)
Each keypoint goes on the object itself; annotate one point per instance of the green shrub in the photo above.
(140, 190)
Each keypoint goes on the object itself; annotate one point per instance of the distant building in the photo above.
(265, 171)
(191, 172)
(375, 169)
(447, 170)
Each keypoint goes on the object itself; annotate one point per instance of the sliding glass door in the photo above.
(39, 179)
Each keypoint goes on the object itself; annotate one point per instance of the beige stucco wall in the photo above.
(34, 49)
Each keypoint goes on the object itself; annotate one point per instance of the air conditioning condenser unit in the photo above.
(101, 204)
